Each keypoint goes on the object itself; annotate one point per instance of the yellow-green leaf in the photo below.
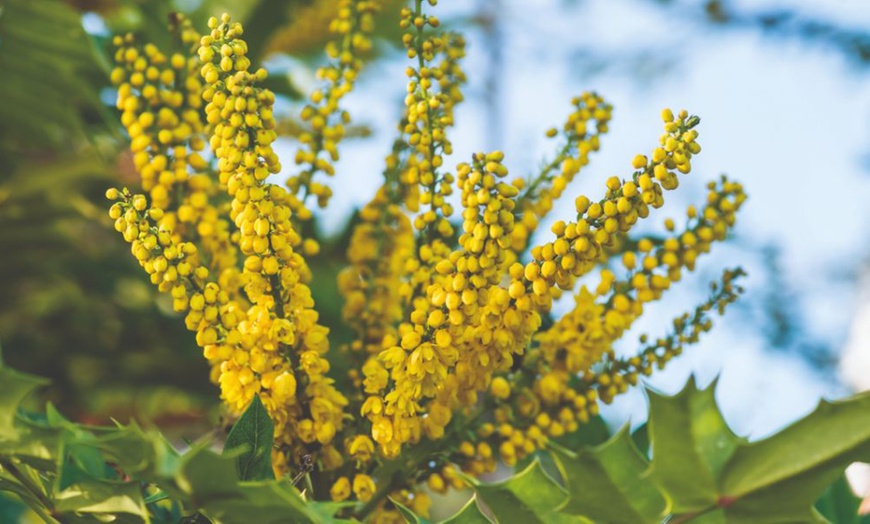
(690, 444)
(606, 484)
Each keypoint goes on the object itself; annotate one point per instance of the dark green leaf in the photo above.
(838, 504)
(11, 508)
(607, 484)
(591, 433)
(253, 434)
(640, 437)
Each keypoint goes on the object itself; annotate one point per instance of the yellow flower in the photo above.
(340, 489)
(363, 487)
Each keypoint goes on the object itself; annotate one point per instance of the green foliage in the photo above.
(252, 436)
(700, 471)
(68, 472)
(49, 66)
(73, 473)
(690, 426)
(607, 484)
(529, 496)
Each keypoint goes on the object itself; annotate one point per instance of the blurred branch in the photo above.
(785, 23)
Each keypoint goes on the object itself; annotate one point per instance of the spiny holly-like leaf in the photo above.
(469, 514)
(781, 476)
(690, 445)
(35, 445)
(80, 462)
(530, 496)
(606, 483)
(147, 455)
(707, 474)
(254, 434)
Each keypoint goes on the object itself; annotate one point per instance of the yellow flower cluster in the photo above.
(161, 103)
(275, 276)
(371, 283)
(353, 24)
(581, 132)
(447, 367)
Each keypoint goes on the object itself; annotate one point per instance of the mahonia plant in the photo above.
(455, 363)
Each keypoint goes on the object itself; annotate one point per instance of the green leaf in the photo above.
(530, 496)
(35, 445)
(254, 434)
(328, 509)
(205, 475)
(42, 39)
(640, 437)
(264, 501)
(690, 445)
(11, 509)
(838, 504)
(103, 497)
(781, 476)
(606, 484)
(14, 388)
(147, 455)
(591, 433)
(469, 514)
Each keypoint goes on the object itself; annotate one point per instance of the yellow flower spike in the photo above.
(443, 321)
(352, 27)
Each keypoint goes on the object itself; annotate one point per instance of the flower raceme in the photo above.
(456, 361)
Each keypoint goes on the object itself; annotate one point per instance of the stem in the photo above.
(33, 489)
(542, 176)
